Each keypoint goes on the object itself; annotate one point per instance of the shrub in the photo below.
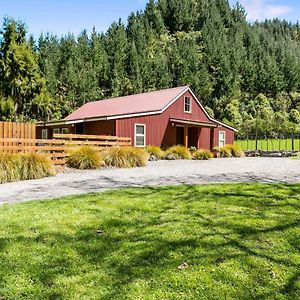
(234, 150)
(9, 167)
(229, 151)
(179, 152)
(35, 165)
(155, 151)
(223, 152)
(125, 157)
(202, 155)
(14, 167)
(84, 158)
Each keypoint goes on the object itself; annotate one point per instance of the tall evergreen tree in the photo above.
(21, 81)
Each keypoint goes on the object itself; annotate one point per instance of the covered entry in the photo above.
(188, 132)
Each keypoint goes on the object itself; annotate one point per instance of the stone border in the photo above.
(262, 153)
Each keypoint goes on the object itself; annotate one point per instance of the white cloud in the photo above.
(264, 9)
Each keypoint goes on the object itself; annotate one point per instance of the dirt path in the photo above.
(270, 170)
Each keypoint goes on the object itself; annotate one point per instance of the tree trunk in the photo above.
(15, 112)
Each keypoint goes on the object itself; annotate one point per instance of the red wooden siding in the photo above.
(92, 128)
(229, 135)
(39, 129)
(100, 128)
(160, 132)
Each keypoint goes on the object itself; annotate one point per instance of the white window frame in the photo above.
(190, 105)
(138, 134)
(65, 129)
(45, 134)
(223, 140)
(56, 129)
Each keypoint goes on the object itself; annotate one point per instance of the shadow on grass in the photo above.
(147, 239)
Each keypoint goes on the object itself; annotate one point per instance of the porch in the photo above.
(193, 133)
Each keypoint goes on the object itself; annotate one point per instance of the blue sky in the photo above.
(63, 16)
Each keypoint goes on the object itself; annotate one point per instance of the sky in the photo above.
(63, 16)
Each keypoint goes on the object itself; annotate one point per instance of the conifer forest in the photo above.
(245, 74)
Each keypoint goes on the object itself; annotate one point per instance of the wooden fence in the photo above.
(54, 148)
(12, 130)
(93, 140)
(60, 146)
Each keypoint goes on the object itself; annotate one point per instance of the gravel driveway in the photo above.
(270, 170)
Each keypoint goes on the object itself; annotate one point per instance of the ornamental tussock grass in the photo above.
(229, 151)
(15, 167)
(222, 151)
(125, 157)
(35, 165)
(155, 151)
(202, 155)
(179, 152)
(9, 167)
(85, 158)
(234, 150)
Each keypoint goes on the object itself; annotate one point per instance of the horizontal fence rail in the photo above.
(54, 148)
(93, 140)
(59, 148)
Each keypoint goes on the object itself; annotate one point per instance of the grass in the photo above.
(155, 151)
(179, 152)
(238, 241)
(202, 154)
(271, 144)
(24, 166)
(234, 150)
(35, 165)
(125, 157)
(229, 150)
(85, 157)
(296, 157)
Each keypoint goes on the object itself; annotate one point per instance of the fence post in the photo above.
(256, 145)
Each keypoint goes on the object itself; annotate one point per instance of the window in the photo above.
(65, 130)
(222, 138)
(56, 130)
(44, 134)
(187, 105)
(140, 135)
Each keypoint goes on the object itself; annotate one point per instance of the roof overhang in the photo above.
(52, 123)
(69, 122)
(192, 123)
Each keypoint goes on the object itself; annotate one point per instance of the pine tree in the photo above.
(21, 80)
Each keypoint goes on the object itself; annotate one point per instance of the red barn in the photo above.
(162, 118)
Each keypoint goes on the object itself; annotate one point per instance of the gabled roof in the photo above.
(134, 105)
(128, 105)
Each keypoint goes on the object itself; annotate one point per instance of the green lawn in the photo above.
(239, 241)
(271, 144)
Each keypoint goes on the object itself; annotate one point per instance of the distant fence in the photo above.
(59, 148)
(281, 142)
